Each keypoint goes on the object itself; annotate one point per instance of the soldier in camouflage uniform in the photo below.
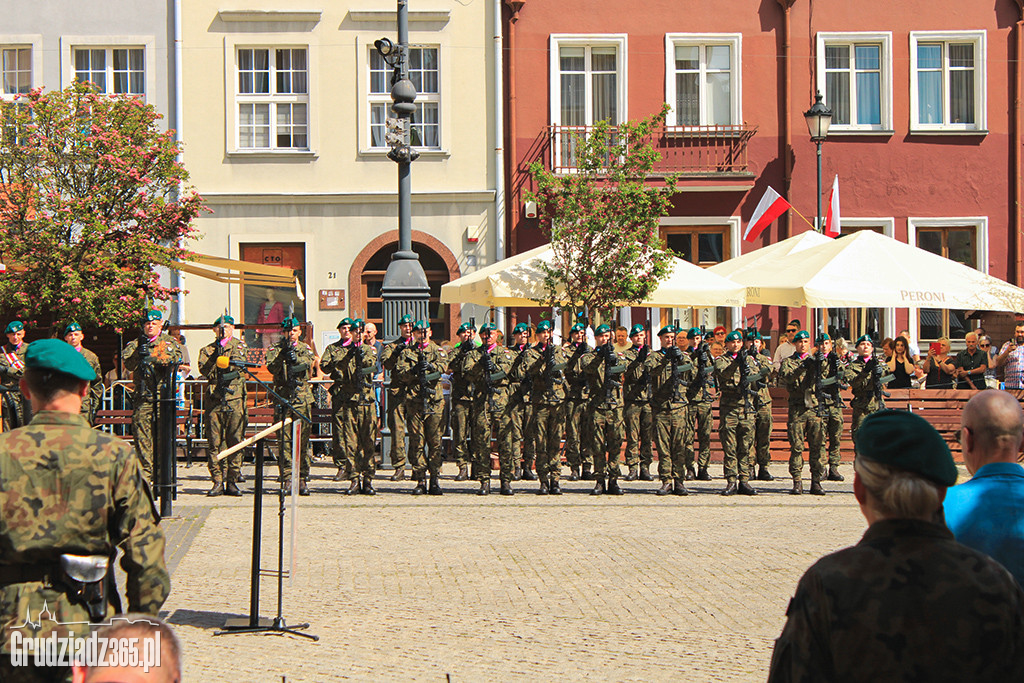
(576, 453)
(907, 603)
(461, 401)
(867, 376)
(396, 395)
(798, 375)
(67, 488)
(670, 371)
(351, 364)
(142, 357)
(700, 395)
(330, 364)
(637, 413)
(90, 404)
(225, 404)
(736, 373)
(605, 369)
(291, 362)
(519, 399)
(754, 344)
(16, 411)
(833, 374)
(421, 364)
(488, 371)
(545, 366)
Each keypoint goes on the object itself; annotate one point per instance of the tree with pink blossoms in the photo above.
(92, 200)
(602, 218)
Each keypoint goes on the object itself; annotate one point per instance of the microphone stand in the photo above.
(254, 623)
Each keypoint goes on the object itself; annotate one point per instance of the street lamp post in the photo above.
(818, 118)
(405, 288)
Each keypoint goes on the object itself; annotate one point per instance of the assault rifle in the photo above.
(674, 356)
(705, 367)
(825, 387)
(612, 370)
(879, 379)
(293, 370)
(224, 379)
(424, 373)
(750, 383)
(579, 380)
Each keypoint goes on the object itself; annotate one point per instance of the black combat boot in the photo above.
(680, 488)
(634, 473)
(421, 485)
(399, 475)
(340, 476)
(554, 487)
(354, 487)
(506, 488)
(703, 475)
(690, 474)
(435, 486)
(368, 489)
(543, 489)
(528, 473)
(833, 473)
(798, 487)
(763, 474)
(588, 472)
(232, 489)
(746, 489)
(598, 487)
(574, 473)
(303, 487)
(517, 474)
(613, 487)
(816, 489)
(485, 488)
(217, 490)
(730, 488)
(463, 474)
(666, 489)
(645, 473)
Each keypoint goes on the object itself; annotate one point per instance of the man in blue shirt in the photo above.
(987, 512)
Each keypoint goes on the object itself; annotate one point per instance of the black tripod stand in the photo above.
(256, 624)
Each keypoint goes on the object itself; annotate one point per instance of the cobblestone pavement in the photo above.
(398, 587)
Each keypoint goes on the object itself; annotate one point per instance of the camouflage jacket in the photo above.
(351, 366)
(92, 402)
(764, 394)
(490, 382)
(575, 379)
(797, 375)
(729, 377)
(668, 384)
(227, 385)
(604, 380)
(422, 381)
(861, 378)
(291, 380)
(12, 364)
(389, 355)
(695, 393)
(143, 359)
(907, 603)
(547, 379)
(519, 390)
(636, 384)
(463, 357)
(67, 488)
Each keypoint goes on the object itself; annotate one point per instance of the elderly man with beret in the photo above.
(90, 404)
(907, 603)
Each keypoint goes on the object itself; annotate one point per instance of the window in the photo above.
(263, 308)
(702, 245)
(424, 72)
(855, 74)
(113, 70)
(947, 81)
(702, 83)
(272, 99)
(957, 243)
(16, 63)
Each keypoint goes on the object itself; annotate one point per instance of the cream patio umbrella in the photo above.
(868, 269)
(770, 253)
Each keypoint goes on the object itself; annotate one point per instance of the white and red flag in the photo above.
(771, 206)
(832, 226)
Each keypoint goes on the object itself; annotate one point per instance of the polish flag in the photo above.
(832, 221)
(771, 206)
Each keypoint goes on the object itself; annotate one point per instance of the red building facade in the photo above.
(925, 135)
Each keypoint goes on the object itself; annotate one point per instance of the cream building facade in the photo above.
(283, 128)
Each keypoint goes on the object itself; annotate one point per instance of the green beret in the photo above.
(906, 441)
(358, 323)
(154, 314)
(405, 320)
(521, 328)
(57, 355)
(734, 336)
(866, 338)
(668, 329)
(544, 326)
(601, 329)
(345, 322)
(466, 327)
(823, 337)
(636, 329)
(224, 320)
(487, 327)
(72, 327)
(15, 326)
(421, 326)
(693, 333)
(751, 335)
(289, 323)
(578, 327)
(802, 334)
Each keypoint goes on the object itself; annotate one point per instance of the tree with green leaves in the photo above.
(92, 200)
(602, 218)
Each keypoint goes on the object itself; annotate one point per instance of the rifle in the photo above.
(492, 374)
(579, 380)
(421, 372)
(523, 390)
(292, 368)
(365, 372)
(224, 379)
(749, 383)
(674, 355)
(612, 371)
(879, 379)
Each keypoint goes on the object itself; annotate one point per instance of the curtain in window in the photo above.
(687, 88)
(605, 102)
(961, 83)
(837, 82)
(929, 82)
(867, 61)
(719, 85)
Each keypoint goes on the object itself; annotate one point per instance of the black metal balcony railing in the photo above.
(684, 150)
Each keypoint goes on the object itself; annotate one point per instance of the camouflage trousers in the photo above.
(460, 420)
(425, 453)
(548, 423)
(485, 423)
(671, 431)
(832, 432)
(805, 423)
(142, 434)
(701, 422)
(355, 435)
(396, 425)
(522, 433)
(860, 411)
(762, 436)
(606, 439)
(575, 419)
(736, 432)
(638, 434)
(285, 463)
(225, 427)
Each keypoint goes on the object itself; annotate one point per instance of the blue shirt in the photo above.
(987, 514)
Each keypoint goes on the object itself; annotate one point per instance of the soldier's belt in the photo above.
(23, 573)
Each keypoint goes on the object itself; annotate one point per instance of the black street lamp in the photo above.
(405, 288)
(818, 118)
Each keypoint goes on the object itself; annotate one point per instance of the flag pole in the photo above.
(802, 216)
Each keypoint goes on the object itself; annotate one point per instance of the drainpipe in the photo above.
(499, 146)
(1018, 271)
(176, 277)
(515, 6)
(786, 132)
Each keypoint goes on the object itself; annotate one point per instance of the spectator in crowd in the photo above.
(786, 348)
(117, 372)
(717, 349)
(143, 628)
(971, 364)
(938, 366)
(718, 334)
(907, 603)
(900, 364)
(914, 349)
(842, 349)
(987, 512)
(985, 344)
(1011, 359)
(887, 348)
(622, 342)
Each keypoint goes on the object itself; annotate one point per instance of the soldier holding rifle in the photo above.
(545, 367)
(16, 411)
(90, 404)
(737, 374)
(291, 363)
(421, 365)
(830, 403)
(799, 374)
(488, 371)
(867, 376)
(670, 372)
(225, 404)
(699, 397)
(396, 395)
(637, 397)
(461, 400)
(577, 454)
(761, 454)
(605, 368)
(519, 400)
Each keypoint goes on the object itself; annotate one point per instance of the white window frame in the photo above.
(884, 39)
(735, 42)
(385, 98)
(33, 43)
(289, 40)
(617, 40)
(68, 45)
(272, 98)
(979, 38)
(980, 224)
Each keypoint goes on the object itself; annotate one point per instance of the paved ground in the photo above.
(462, 588)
